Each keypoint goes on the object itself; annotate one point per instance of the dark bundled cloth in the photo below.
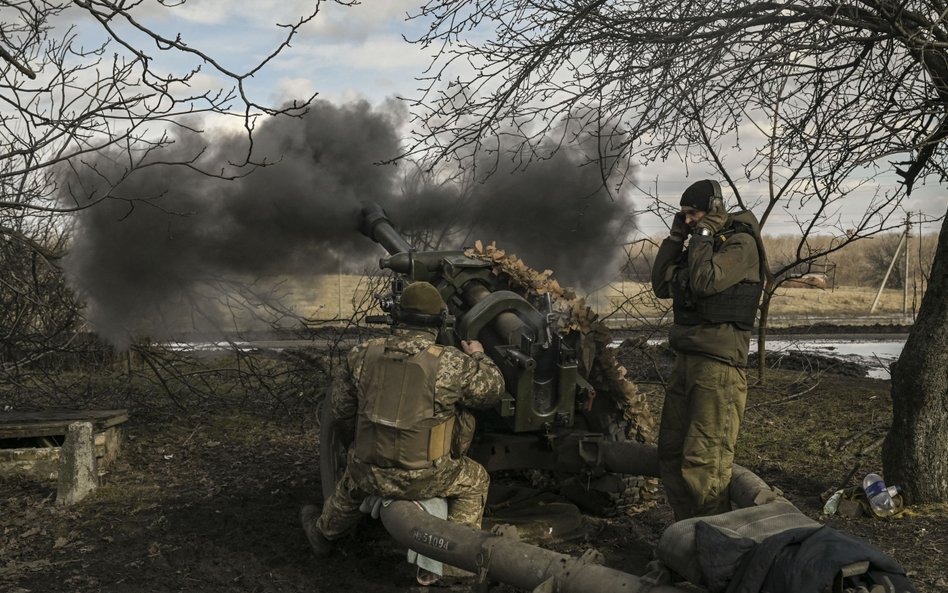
(803, 560)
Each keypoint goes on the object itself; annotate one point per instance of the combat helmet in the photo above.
(421, 304)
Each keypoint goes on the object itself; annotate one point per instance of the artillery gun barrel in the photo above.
(506, 323)
(376, 226)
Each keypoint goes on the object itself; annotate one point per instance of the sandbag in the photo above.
(677, 548)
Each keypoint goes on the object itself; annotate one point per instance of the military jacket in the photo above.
(711, 272)
(458, 380)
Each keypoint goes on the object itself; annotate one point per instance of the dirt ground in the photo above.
(206, 493)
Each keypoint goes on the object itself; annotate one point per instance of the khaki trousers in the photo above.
(463, 482)
(701, 417)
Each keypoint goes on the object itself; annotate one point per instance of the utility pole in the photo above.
(908, 228)
(895, 257)
(921, 270)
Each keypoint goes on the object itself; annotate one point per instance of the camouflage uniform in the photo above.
(705, 397)
(462, 381)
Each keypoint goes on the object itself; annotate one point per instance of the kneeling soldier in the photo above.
(404, 397)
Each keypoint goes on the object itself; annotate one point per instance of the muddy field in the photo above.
(206, 493)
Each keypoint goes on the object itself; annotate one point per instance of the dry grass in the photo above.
(339, 296)
(841, 301)
(332, 297)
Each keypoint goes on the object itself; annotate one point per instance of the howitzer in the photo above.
(549, 417)
(550, 420)
(539, 365)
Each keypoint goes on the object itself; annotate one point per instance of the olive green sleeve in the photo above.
(712, 272)
(664, 267)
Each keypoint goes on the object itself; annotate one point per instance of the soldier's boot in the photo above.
(321, 546)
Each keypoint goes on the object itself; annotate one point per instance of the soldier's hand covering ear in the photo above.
(679, 230)
(714, 218)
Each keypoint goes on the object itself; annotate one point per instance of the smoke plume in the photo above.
(164, 234)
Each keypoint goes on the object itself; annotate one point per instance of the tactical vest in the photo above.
(398, 423)
(737, 304)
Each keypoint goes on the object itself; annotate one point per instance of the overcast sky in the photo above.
(358, 52)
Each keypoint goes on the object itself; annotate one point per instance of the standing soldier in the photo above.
(715, 284)
(404, 398)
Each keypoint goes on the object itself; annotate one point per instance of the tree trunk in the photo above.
(915, 452)
(762, 335)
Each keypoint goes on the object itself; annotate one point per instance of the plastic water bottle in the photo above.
(878, 494)
(832, 503)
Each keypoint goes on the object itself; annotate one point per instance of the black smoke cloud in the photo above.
(167, 231)
(555, 215)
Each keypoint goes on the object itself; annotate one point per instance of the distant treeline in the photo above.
(860, 263)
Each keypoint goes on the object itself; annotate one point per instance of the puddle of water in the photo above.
(876, 355)
(207, 346)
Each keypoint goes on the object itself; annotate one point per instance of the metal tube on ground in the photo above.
(630, 457)
(747, 489)
(504, 558)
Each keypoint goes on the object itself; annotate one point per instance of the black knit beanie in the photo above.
(699, 194)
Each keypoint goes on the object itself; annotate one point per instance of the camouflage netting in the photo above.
(598, 362)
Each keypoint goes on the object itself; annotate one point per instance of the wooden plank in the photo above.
(55, 422)
(60, 414)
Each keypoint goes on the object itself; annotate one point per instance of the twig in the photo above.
(786, 399)
(883, 365)
(873, 445)
(164, 384)
(859, 456)
(187, 440)
(851, 439)
(16, 64)
(655, 367)
(852, 473)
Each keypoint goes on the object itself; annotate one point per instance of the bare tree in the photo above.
(860, 85)
(89, 79)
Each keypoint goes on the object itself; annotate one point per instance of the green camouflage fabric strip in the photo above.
(597, 361)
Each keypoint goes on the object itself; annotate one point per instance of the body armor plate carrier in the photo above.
(737, 304)
(399, 422)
